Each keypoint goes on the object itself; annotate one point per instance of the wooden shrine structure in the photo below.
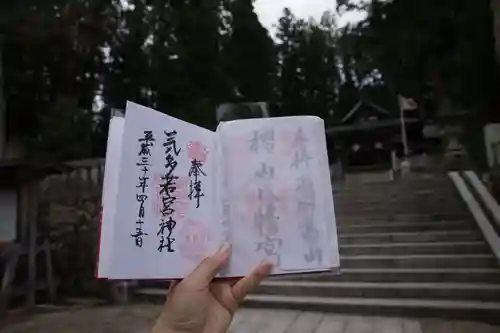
(368, 135)
(19, 178)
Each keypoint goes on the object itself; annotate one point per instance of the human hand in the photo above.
(198, 304)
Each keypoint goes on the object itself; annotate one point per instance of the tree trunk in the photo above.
(494, 100)
(495, 7)
(3, 116)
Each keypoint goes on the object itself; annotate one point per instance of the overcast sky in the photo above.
(269, 11)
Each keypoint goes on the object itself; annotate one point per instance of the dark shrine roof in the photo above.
(369, 126)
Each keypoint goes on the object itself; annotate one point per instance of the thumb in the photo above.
(209, 267)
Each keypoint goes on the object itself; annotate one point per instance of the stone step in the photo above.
(406, 197)
(404, 192)
(396, 209)
(464, 310)
(400, 218)
(438, 290)
(416, 184)
(400, 207)
(474, 247)
(395, 199)
(395, 193)
(420, 261)
(389, 275)
(389, 217)
(415, 237)
(344, 227)
(381, 208)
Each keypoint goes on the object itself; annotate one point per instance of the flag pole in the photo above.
(403, 128)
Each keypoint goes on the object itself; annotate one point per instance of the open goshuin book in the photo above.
(174, 192)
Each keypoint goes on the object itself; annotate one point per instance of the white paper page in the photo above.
(153, 246)
(326, 193)
(279, 194)
(109, 192)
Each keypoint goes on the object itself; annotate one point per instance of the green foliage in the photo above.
(308, 72)
(65, 132)
(74, 235)
(249, 55)
(447, 45)
(51, 52)
(440, 53)
(186, 57)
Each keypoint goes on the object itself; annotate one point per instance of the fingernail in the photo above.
(223, 248)
(267, 267)
(270, 267)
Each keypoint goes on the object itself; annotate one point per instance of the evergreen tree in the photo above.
(289, 73)
(127, 76)
(321, 77)
(52, 57)
(308, 75)
(249, 55)
(198, 83)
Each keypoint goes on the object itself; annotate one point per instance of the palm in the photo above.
(220, 313)
(208, 309)
(200, 305)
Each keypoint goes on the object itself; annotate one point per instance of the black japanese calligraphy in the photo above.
(169, 225)
(196, 186)
(139, 233)
(168, 188)
(170, 143)
(167, 191)
(145, 144)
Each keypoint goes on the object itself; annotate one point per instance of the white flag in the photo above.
(406, 104)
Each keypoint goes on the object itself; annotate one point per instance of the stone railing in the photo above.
(483, 207)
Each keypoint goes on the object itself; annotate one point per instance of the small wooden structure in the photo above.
(367, 136)
(21, 177)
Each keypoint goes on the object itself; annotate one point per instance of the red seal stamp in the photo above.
(194, 240)
(197, 151)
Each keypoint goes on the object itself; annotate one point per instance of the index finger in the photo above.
(209, 267)
(248, 283)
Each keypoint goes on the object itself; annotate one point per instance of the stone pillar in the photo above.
(455, 155)
(405, 168)
(394, 161)
(492, 144)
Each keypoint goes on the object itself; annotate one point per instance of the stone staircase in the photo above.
(408, 248)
